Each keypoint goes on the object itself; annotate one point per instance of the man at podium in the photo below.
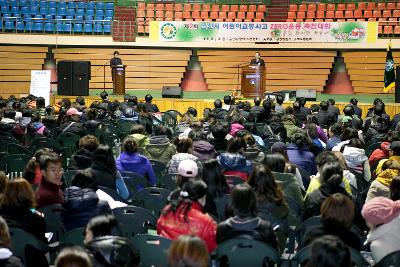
(115, 60)
(257, 60)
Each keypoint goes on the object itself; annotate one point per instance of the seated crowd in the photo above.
(240, 171)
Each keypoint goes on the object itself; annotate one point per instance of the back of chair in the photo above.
(245, 252)
(390, 260)
(167, 181)
(153, 199)
(20, 239)
(152, 249)
(74, 237)
(134, 220)
(14, 165)
(112, 193)
(13, 149)
(52, 215)
(134, 182)
(158, 168)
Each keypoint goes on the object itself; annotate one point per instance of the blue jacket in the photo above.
(302, 158)
(235, 162)
(80, 205)
(134, 162)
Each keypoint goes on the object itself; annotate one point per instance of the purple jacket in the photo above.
(302, 158)
(133, 162)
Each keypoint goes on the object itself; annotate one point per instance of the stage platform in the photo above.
(202, 100)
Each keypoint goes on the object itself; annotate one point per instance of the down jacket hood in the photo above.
(354, 156)
(234, 162)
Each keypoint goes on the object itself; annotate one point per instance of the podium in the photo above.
(118, 78)
(253, 81)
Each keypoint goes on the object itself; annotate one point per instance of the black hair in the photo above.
(300, 139)
(197, 135)
(183, 145)
(48, 158)
(40, 102)
(275, 162)
(84, 179)
(104, 225)
(104, 95)
(133, 99)
(130, 145)
(264, 184)
(115, 52)
(9, 113)
(349, 133)
(192, 111)
(191, 191)
(329, 251)
(235, 144)
(324, 157)
(348, 110)
(218, 103)
(331, 173)
(279, 99)
(220, 130)
(324, 105)
(227, 99)
(160, 130)
(214, 178)
(244, 201)
(336, 128)
(148, 98)
(257, 101)
(395, 189)
(302, 101)
(80, 100)
(331, 101)
(296, 105)
(315, 108)
(354, 101)
(356, 142)
(103, 156)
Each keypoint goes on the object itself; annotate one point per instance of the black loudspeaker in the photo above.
(172, 92)
(73, 77)
(64, 77)
(397, 87)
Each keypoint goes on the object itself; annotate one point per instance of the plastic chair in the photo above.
(49, 27)
(222, 203)
(100, 5)
(98, 28)
(14, 165)
(134, 182)
(74, 237)
(153, 199)
(20, 239)
(52, 215)
(78, 28)
(158, 168)
(134, 220)
(231, 252)
(167, 181)
(149, 246)
(304, 255)
(109, 5)
(112, 193)
(13, 149)
(69, 142)
(390, 260)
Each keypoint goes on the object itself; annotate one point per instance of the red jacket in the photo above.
(200, 224)
(380, 153)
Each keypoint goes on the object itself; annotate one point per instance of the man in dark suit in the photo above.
(115, 60)
(257, 60)
(325, 119)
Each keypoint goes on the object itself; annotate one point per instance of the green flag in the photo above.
(389, 71)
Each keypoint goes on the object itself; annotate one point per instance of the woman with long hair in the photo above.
(185, 215)
(216, 184)
(270, 196)
(105, 172)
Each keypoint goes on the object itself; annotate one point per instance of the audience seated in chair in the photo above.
(185, 215)
(49, 190)
(159, 147)
(329, 251)
(105, 244)
(188, 249)
(184, 149)
(83, 158)
(73, 256)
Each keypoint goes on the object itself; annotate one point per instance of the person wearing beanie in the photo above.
(185, 215)
(382, 217)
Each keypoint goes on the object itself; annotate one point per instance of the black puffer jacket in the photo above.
(110, 251)
(81, 205)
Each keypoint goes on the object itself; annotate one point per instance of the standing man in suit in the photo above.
(257, 60)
